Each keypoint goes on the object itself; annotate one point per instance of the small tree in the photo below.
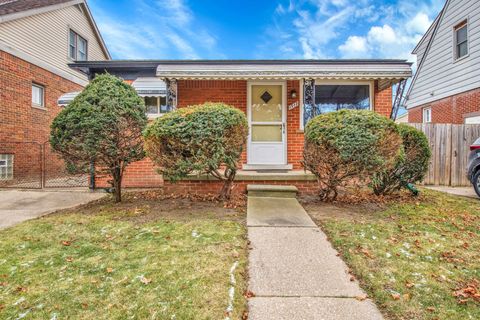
(410, 167)
(103, 124)
(202, 139)
(348, 145)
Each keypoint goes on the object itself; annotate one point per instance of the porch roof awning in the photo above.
(145, 87)
(150, 87)
(387, 70)
(66, 98)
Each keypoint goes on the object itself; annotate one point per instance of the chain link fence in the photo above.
(33, 165)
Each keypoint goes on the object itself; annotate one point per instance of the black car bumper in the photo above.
(473, 164)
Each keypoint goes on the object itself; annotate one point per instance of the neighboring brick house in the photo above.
(278, 97)
(446, 86)
(38, 39)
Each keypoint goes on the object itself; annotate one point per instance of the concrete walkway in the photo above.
(17, 206)
(294, 271)
(458, 191)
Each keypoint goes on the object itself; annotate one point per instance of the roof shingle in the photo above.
(15, 6)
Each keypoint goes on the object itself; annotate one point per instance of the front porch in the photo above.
(204, 184)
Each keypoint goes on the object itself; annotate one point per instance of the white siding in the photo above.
(45, 37)
(440, 76)
(423, 45)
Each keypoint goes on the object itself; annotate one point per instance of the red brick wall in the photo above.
(191, 92)
(20, 121)
(449, 110)
(294, 133)
(23, 128)
(214, 187)
(383, 100)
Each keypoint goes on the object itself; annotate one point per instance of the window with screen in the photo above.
(334, 97)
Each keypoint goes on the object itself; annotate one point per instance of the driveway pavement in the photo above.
(17, 206)
(458, 191)
(294, 272)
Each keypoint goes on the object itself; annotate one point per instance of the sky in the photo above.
(235, 29)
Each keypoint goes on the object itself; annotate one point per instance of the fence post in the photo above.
(92, 175)
(43, 166)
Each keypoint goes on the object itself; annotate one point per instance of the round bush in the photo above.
(410, 167)
(104, 124)
(202, 139)
(349, 144)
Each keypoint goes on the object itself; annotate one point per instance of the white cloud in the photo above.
(384, 34)
(420, 23)
(354, 47)
(352, 28)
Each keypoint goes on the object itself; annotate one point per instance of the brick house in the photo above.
(446, 86)
(278, 97)
(38, 39)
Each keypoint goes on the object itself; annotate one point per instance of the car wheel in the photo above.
(476, 182)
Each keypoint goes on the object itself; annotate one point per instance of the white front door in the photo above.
(267, 116)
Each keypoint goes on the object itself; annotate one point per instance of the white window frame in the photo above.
(42, 91)
(427, 115)
(370, 83)
(158, 114)
(76, 47)
(462, 24)
(6, 162)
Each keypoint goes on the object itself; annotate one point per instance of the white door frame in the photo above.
(284, 121)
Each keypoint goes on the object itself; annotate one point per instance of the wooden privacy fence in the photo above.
(450, 145)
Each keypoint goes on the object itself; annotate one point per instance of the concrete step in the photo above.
(273, 191)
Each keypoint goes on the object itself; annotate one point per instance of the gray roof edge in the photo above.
(154, 63)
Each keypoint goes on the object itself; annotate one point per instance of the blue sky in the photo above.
(317, 29)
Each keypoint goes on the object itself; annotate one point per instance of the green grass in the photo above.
(97, 266)
(412, 257)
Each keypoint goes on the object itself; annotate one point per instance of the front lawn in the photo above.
(142, 259)
(417, 260)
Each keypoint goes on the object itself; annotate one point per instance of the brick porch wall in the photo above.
(449, 110)
(240, 187)
(191, 92)
(383, 101)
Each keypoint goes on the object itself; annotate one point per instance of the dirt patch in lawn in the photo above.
(147, 206)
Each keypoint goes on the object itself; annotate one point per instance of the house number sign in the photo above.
(293, 105)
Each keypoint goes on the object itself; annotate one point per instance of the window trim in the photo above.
(370, 83)
(36, 105)
(423, 114)
(77, 35)
(462, 24)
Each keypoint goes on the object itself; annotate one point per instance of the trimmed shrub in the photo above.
(104, 125)
(202, 139)
(410, 167)
(348, 145)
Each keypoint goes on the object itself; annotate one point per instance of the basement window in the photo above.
(461, 40)
(6, 167)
